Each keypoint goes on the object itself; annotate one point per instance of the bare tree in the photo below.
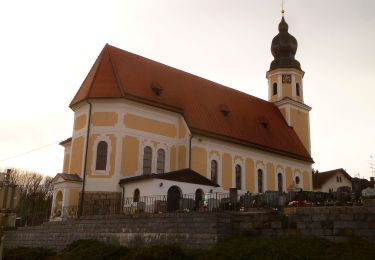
(36, 194)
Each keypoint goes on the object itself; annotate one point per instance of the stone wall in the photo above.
(333, 223)
(191, 230)
(200, 229)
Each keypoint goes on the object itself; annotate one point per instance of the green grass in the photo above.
(246, 247)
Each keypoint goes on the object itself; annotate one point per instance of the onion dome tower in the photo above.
(283, 48)
(285, 83)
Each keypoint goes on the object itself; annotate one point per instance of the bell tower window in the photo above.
(298, 92)
(274, 89)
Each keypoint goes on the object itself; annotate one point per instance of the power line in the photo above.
(31, 151)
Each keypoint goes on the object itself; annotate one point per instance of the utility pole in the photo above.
(372, 168)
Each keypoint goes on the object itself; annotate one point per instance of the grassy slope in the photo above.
(238, 248)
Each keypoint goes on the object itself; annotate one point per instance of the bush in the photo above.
(165, 252)
(296, 247)
(92, 249)
(30, 253)
(246, 247)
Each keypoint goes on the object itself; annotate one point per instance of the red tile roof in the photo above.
(246, 120)
(322, 177)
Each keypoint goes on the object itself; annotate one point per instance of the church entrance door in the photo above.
(173, 198)
(198, 199)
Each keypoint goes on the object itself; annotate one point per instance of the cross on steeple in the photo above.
(282, 8)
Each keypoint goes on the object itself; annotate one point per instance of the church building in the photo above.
(142, 128)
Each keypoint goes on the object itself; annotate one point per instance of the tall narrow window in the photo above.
(280, 182)
(274, 89)
(260, 181)
(238, 177)
(214, 171)
(298, 89)
(136, 195)
(160, 161)
(147, 158)
(297, 180)
(101, 156)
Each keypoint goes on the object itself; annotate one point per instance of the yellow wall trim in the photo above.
(182, 131)
(300, 123)
(104, 118)
(173, 158)
(182, 157)
(227, 171)
(250, 185)
(271, 177)
(77, 155)
(199, 160)
(150, 125)
(130, 155)
(80, 122)
(66, 162)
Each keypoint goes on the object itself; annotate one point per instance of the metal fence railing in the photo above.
(208, 202)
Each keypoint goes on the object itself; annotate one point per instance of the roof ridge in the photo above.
(97, 69)
(95, 66)
(114, 68)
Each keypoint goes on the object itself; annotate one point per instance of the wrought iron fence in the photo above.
(32, 218)
(209, 202)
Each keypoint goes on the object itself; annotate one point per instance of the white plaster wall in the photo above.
(333, 184)
(153, 187)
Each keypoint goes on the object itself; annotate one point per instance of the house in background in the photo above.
(330, 181)
(142, 128)
(358, 185)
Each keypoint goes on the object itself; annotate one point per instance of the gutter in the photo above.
(85, 162)
(191, 137)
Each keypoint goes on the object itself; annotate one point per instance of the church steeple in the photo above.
(285, 83)
(283, 48)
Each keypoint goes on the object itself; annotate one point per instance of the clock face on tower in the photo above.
(287, 78)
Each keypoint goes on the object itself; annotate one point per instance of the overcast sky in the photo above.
(48, 47)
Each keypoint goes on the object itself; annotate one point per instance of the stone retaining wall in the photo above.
(191, 230)
(333, 223)
(200, 229)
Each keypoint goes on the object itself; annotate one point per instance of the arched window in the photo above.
(58, 204)
(274, 89)
(260, 181)
(214, 171)
(298, 89)
(160, 167)
(280, 182)
(297, 180)
(238, 177)
(136, 195)
(101, 156)
(147, 159)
